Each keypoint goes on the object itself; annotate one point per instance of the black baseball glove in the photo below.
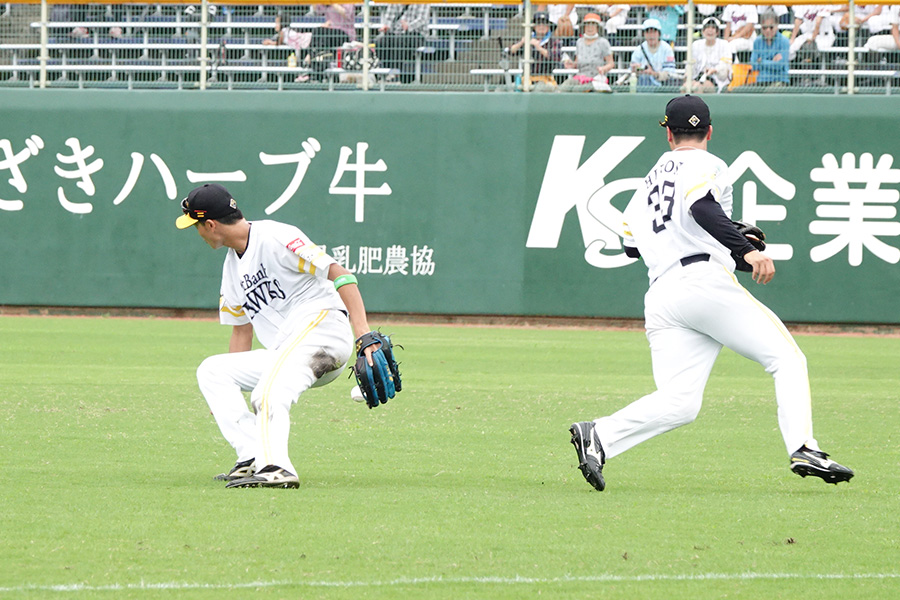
(757, 239)
(380, 382)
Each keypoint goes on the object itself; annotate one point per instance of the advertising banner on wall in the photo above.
(440, 203)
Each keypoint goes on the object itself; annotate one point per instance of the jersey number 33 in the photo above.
(662, 200)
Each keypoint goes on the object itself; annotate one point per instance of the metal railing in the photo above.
(461, 48)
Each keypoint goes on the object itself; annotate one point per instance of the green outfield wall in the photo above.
(442, 203)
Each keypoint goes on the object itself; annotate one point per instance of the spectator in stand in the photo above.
(654, 60)
(740, 26)
(812, 23)
(403, 29)
(338, 18)
(891, 41)
(544, 53)
(300, 41)
(87, 13)
(563, 18)
(706, 10)
(668, 17)
(712, 59)
(771, 52)
(871, 19)
(780, 10)
(616, 17)
(593, 59)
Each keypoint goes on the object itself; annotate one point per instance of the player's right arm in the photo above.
(631, 249)
(241, 338)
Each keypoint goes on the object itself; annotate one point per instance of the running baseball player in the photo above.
(300, 304)
(679, 222)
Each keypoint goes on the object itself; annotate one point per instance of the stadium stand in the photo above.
(147, 46)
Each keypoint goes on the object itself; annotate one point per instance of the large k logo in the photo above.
(567, 185)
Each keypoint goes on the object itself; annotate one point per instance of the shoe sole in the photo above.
(266, 484)
(227, 477)
(577, 441)
(806, 470)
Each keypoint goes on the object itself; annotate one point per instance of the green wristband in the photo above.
(344, 280)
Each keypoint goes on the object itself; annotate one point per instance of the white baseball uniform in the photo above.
(891, 19)
(738, 15)
(695, 306)
(280, 285)
(718, 57)
(807, 14)
(617, 17)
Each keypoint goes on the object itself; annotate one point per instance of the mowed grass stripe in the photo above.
(466, 478)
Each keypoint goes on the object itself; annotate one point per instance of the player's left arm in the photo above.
(352, 299)
(709, 215)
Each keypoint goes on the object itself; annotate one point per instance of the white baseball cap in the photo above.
(651, 24)
(711, 21)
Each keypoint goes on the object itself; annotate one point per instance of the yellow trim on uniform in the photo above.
(264, 401)
(695, 188)
(303, 264)
(784, 332)
(769, 315)
(236, 312)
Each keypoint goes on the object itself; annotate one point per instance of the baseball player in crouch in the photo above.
(679, 221)
(301, 305)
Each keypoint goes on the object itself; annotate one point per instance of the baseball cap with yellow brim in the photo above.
(209, 201)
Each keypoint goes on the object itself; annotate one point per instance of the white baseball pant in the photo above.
(823, 41)
(741, 44)
(881, 42)
(314, 355)
(691, 312)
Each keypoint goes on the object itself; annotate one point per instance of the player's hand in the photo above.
(369, 351)
(763, 266)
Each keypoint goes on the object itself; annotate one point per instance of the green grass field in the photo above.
(464, 486)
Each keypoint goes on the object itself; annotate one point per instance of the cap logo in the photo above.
(694, 120)
(200, 214)
(232, 204)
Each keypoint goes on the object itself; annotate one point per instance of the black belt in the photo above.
(694, 258)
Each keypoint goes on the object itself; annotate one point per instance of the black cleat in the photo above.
(806, 462)
(590, 453)
(269, 476)
(241, 469)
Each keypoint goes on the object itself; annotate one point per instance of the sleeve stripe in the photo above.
(306, 266)
(237, 311)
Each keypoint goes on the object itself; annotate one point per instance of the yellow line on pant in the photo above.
(264, 401)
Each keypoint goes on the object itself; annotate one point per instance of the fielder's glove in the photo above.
(753, 234)
(757, 239)
(380, 382)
